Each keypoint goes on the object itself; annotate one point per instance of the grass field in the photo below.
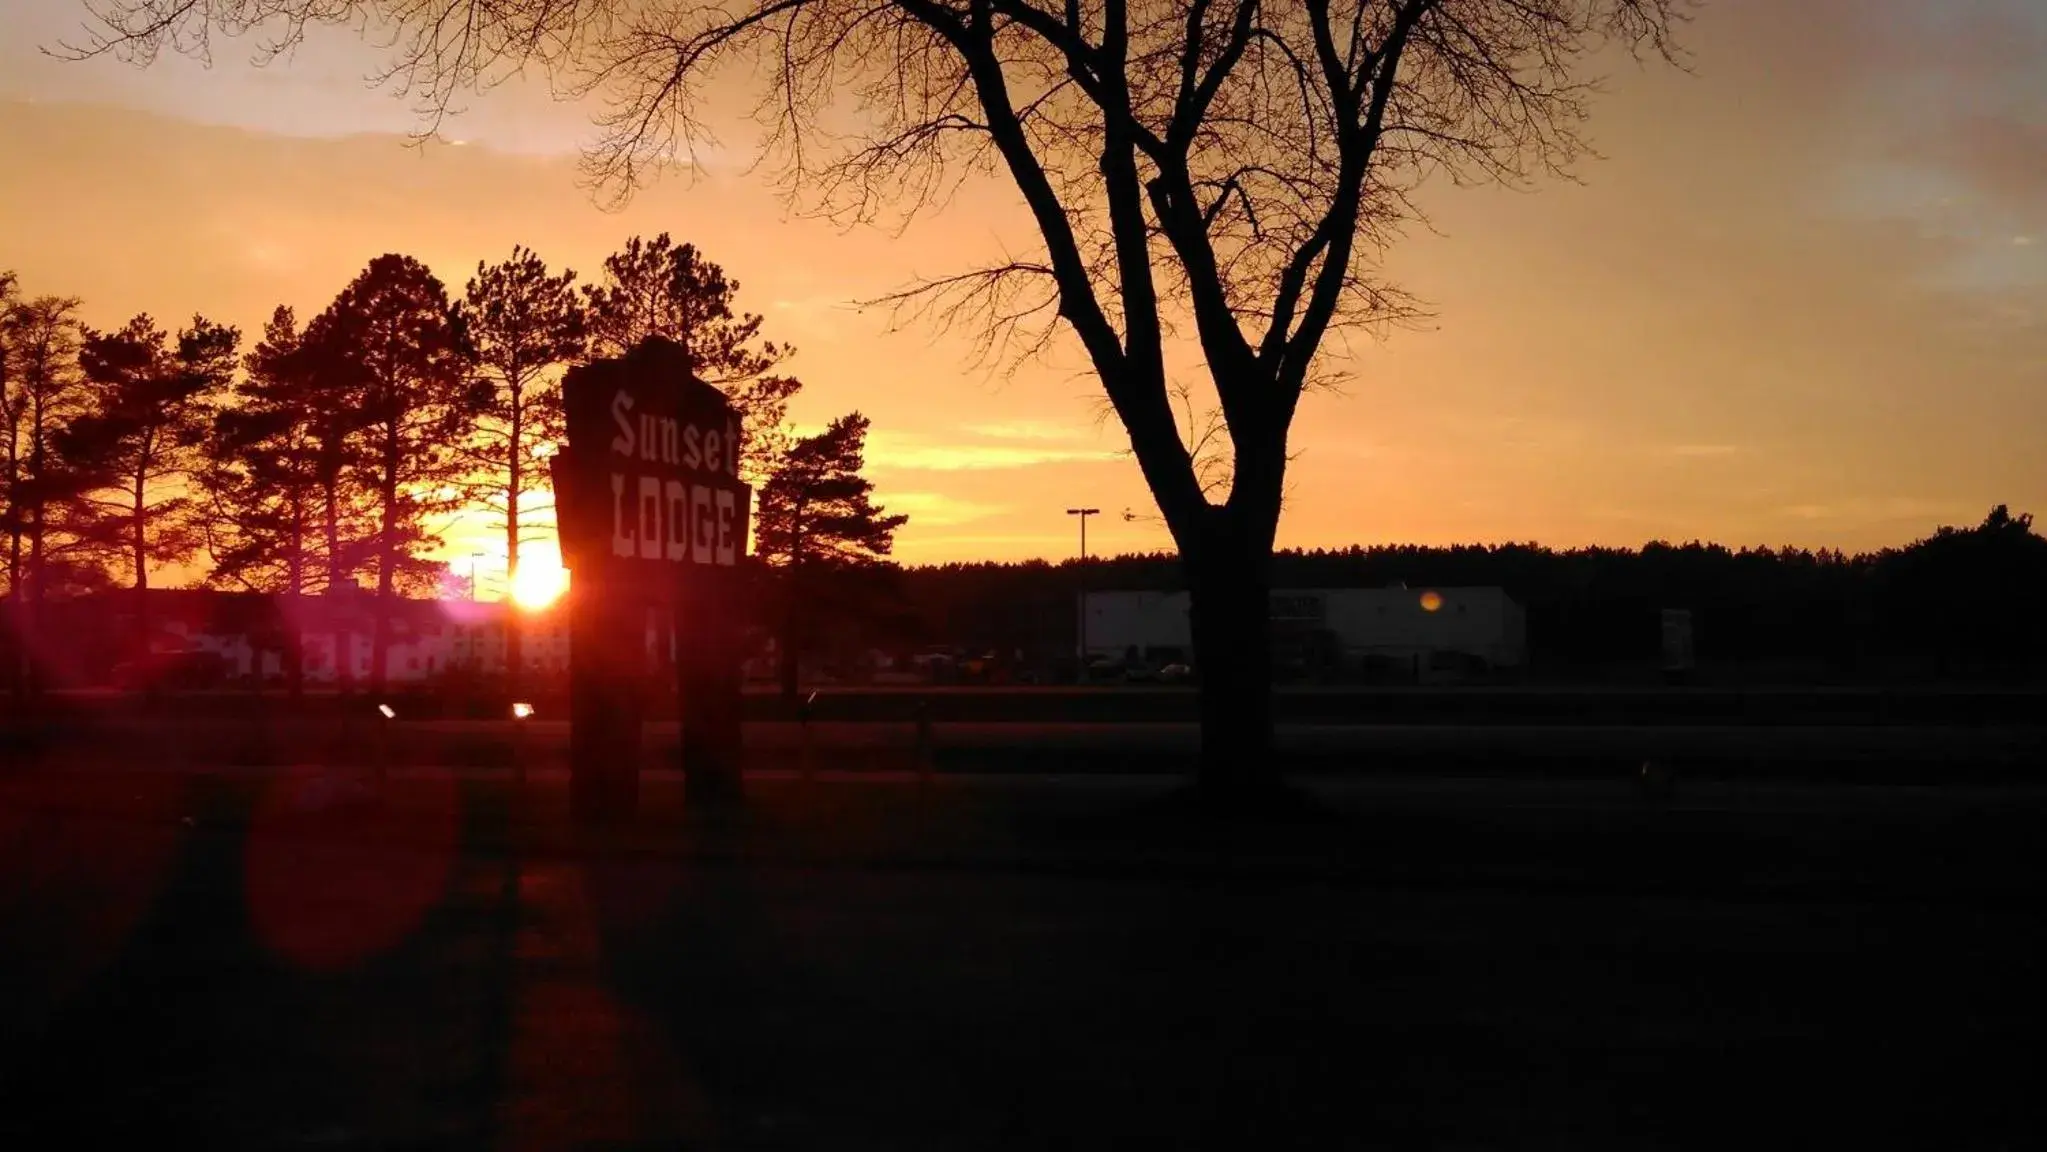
(1016, 963)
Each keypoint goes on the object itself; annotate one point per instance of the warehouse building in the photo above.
(1427, 634)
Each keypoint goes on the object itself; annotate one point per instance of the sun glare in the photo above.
(539, 583)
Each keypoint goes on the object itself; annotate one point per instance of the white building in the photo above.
(1429, 630)
(429, 639)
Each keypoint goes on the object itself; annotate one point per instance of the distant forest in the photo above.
(1964, 603)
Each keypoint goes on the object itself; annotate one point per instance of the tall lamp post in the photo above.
(473, 558)
(1083, 513)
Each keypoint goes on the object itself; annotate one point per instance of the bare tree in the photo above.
(1230, 168)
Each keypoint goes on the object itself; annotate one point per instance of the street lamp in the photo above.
(1083, 513)
(473, 558)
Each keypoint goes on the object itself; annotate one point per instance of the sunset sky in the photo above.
(1802, 299)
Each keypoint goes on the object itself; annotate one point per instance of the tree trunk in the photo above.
(37, 573)
(16, 602)
(380, 629)
(387, 556)
(139, 541)
(1229, 586)
(294, 633)
(786, 662)
(34, 629)
(337, 587)
(515, 631)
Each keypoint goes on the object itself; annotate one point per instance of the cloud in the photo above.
(912, 452)
(1030, 430)
(2002, 156)
(1931, 513)
(1808, 511)
(937, 509)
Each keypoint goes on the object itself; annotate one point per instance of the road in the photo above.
(1461, 706)
(1100, 744)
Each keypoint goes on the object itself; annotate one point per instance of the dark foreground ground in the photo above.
(247, 960)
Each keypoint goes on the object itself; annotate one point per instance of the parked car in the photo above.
(1103, 668)
(1175, 674)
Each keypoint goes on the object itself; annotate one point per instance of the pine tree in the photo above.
(42, 337)
(284, 514)
(392, 343)
(10, 415)
(657, 288)
(817, 516)
(522, 324)
(130, 451)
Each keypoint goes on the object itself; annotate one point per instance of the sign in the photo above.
(652, 515)
(1677, 639)
(647, 488)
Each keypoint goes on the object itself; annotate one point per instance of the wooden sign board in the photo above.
(647, 488)
(652, 514)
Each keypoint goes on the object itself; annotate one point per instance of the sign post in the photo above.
(653, 517)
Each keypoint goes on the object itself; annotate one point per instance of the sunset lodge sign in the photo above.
(657, 517)
(653, 525)
(648, 485)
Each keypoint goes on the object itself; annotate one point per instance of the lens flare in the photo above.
(1432, 601)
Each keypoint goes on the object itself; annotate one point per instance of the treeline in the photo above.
(336, 449)
(1961, 603)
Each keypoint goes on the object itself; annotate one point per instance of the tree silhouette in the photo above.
(285, 512)
(147, 409)
(817, 516)
(11, 414)
(1942, 599)
(44, 389)
(393, 346)
(522, 324)
(1228, 169)
(657, 288)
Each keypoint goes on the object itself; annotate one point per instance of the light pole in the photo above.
(1083, 513)
(473, 558)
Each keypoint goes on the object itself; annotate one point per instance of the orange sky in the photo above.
(1803, 299)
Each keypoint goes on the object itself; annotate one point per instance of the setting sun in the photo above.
(540, 582)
